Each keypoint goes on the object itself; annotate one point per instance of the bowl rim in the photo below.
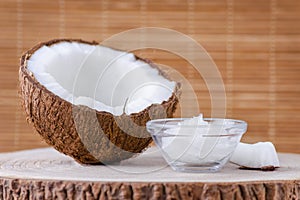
(156, 123)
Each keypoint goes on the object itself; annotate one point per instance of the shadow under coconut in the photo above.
(150, 161)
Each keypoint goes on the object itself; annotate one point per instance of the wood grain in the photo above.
(255, 45)
(46, 174)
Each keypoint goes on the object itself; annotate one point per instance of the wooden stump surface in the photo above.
(47, 174)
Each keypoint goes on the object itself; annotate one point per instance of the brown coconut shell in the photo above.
(87, 135)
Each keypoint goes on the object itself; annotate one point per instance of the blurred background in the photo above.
(255, 45)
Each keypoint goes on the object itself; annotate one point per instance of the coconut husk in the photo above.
(87, 135)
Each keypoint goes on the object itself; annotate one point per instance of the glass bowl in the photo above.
(196, 148)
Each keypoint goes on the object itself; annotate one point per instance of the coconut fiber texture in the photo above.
(87, 135)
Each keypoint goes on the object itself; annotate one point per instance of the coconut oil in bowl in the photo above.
(196, 144)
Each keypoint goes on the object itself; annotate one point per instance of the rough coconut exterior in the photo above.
(87, 135)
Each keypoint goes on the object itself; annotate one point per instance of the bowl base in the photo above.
(196, 168)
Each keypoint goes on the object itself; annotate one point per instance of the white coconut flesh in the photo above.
(99, 77)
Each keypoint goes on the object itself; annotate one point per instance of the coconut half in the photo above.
(92, 102)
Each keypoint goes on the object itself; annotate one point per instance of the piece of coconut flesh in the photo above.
(99, 77)
(261, 155)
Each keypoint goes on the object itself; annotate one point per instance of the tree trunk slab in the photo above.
(47, 174)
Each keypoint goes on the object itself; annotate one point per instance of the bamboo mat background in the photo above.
(255, 44)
